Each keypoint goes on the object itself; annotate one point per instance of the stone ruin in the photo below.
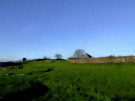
(110, 59)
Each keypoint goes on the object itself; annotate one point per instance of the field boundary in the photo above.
(110, 59)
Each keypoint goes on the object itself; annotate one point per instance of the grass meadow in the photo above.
(65, 81)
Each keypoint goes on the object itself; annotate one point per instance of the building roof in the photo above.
(88, 56)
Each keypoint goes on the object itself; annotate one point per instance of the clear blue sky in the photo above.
(37, 28)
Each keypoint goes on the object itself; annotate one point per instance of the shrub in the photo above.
(24, 59)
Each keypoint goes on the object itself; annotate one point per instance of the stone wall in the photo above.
(120, 59)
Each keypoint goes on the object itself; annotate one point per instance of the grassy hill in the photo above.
(64, 81)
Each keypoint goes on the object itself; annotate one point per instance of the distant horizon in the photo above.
(55, 58)
(38, 28)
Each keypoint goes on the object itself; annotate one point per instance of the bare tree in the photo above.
(79, 53)
(45, 58)
(58, 56)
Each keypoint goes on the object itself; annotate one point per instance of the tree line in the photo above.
(79, 53)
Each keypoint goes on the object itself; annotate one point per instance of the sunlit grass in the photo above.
(74, 82)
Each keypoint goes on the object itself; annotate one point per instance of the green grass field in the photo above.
(72, 82)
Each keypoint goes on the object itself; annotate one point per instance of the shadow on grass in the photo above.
(34, 92)
(48, 70)
(6, 64)
(124, 98)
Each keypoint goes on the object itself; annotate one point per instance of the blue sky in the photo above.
(37, 28)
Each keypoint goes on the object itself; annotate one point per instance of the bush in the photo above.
(24, 59)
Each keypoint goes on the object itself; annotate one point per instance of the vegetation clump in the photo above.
(24, 59)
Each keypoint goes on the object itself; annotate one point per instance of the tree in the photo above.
(45, 58)
(79, 53)
(58, 56)
(24, 59)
